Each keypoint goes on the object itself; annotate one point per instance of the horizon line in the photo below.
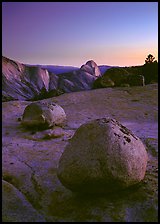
(39, 64)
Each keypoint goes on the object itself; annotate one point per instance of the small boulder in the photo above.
(102, 156)
(43, 115)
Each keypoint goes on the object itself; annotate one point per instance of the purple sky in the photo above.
(71, 33)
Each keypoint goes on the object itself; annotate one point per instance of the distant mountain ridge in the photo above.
(58, 69)
(27, 82)
(104, 68)
(35, 82)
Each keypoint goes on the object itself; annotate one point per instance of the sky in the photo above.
(71, 33)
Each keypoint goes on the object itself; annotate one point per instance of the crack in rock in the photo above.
(34, 201)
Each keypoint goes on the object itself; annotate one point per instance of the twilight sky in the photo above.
(71, 33)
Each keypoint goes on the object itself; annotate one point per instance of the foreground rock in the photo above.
(29, 161)
(102, 156)
(16, 208)
(43, 115)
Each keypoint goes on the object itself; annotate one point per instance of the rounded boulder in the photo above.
(43, 115)
(103, 156)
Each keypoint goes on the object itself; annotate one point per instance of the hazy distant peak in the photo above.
(91, 63)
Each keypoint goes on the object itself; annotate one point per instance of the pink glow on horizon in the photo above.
(71, 33)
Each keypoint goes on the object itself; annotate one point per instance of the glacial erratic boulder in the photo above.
(103, 156)
(43, 115)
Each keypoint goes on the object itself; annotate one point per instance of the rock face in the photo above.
(22, 82)
(103, 156)
(81, 79)
(43, 115)
(92, 68)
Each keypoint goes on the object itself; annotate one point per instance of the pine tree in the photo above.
(150, 69)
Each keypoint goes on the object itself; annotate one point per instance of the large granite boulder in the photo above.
(43, 115)
(102, 156)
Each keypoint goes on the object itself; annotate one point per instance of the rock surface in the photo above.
(43, 115)
(23, 82)
(81, 79)
(102, 156)
(16, 208)
(30, 162)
